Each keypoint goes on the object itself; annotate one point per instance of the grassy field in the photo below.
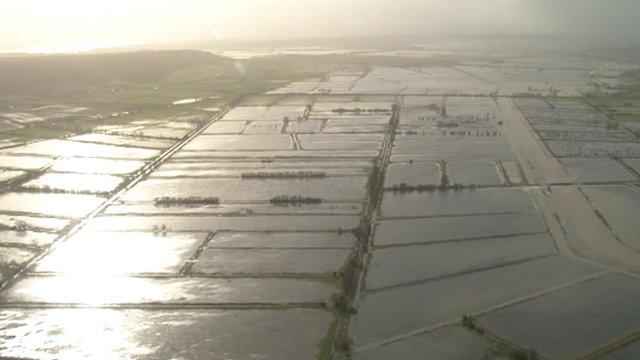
(619, 109)
(624, 105)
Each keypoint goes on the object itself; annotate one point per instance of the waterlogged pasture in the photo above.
(7, 175)
(264, 128)
(563, 323)
(236, 209)
(230, 223)
(232, 189)
(65, 148)
(620, 207)
(281, 240)
(412, 174)
(451, 342)
(269, 261)
(107, 253)
(340, 141)
(293, 333)
(26, 238)
(33, 222)
(404, 309)
(463, 202)
(49, 204)
(304, 126)
(478, 173)
(72, 289)
(596, 170)
(439, 229)
(407, 264)
(121, 140)
(224, 128)
(264, 172)
(96, 166)
(243, 142)
(24, 162)
(69, 182)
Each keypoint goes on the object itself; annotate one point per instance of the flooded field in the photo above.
(197, 333)
(457, 217)
(123, 140)
(619, 205)
(48, 204)
(634, 164)
(56, 148)
(473, 209)
(247, 190)
(440, 229)
(452, 342)
(412, 174)
(573, 130)
(274, 240)
(264, 207)
(582, 330)
(452, 203)
(132, 222)
(24, 162)
(46, 113)
(246, 142)
(57, 183)
(96, 166)
(6, 175)
(102, 253)
(403, 265)
(477, 173)
(597, 170)
(484, 79)
(269, 261)
(75, 183)
(123, 290)
(404, 310)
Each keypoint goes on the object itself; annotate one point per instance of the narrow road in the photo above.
(539, 166)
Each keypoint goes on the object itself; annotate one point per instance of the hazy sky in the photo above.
(33, 23)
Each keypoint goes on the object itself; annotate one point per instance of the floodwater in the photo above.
(118, 289)
(76, 182)
(336, 189)
(122, 252)
(404, 309)
(186, 101)
(196, 333)
(539, 322)
(49, 204)
(234, 245)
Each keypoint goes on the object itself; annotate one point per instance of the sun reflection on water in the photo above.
(90, 290)
(105, 254)
(70, 334)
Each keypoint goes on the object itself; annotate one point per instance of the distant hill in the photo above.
(46, 73)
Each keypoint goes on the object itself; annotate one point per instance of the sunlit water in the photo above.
(70, 334)
(186, 101)
(192, 100)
